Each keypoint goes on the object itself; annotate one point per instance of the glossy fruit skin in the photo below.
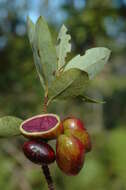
(39, 152)
(73, 123)
(70, 153)
(83, 136)
(75, 127)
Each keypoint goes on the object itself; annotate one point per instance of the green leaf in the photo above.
(45, 50)
(61, 82)
(92, 62)
(90, 100)
(9, 126)
(77, 88)
(30, 30)
(68, 84)
(63, 46)
(31, 36)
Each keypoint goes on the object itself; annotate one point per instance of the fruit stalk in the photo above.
(45, 167)
(48, 177)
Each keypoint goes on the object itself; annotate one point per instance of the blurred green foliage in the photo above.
(91, 24)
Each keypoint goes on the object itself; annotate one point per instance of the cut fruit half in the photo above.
(46, 126)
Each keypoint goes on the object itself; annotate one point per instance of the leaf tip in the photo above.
(64, 27)
(40, 20)
(29, 21)
(91, 100)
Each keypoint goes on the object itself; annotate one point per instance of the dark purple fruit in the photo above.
(39, 152)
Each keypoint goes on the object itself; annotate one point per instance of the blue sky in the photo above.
(54, 12)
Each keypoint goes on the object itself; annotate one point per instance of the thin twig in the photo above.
(48, 177)
(45, 105)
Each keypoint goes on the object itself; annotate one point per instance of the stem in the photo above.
(45, 167)
(48, 177)
(45, 105)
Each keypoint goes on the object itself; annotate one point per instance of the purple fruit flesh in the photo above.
(40, 124)
(44, 126)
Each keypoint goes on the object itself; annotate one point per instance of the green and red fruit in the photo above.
(45, 126)
(70, 154)
(39, 152)
(83, 136)
(73, 123)
(75, 127)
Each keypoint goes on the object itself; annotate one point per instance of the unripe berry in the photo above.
(75, 127)
(70, 153)
(73, 123)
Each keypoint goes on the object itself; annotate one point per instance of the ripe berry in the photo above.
(39, 152)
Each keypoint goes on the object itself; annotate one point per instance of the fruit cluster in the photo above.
(72, 141)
